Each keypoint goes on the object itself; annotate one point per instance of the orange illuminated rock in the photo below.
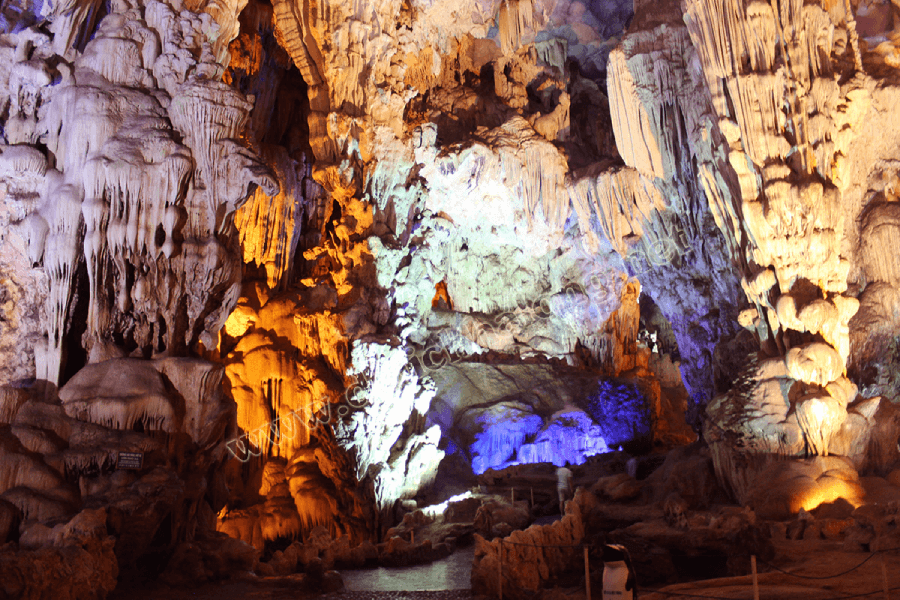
(791, 486)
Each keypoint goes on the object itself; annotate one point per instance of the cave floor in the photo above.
(809, 558)
(447, 579)
(280, 588)
(811, 565)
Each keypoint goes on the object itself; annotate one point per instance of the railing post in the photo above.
(755, 580)
(587, 575)
(500, 570)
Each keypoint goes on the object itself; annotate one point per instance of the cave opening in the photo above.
(261, 67)
(656, 330)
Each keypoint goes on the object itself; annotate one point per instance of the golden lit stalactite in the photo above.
(344, 58)
(286, 376)
(269, 226)
(287, 349)
(441, 296)
(287, 358)
(613, 348)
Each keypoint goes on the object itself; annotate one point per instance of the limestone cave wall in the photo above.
(296, 254)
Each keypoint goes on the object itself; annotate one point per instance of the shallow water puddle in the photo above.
(451, 573)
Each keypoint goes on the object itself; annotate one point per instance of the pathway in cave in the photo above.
(451, 573)
(401, 595)
(447, 579)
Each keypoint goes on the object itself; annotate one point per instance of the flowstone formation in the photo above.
(301, 257)
(476, 209)
(778, 116)
(132, 215)
(395, 277)
(123, 166)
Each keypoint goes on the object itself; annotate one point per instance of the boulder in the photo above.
(894, 477)
(76, 560)
(282, 563)
(785, 487)
(876, 527)
(214, 556)
(495, 514)
(618, 488)
(687, 471)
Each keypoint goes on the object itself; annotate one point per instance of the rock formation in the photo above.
(294, 255)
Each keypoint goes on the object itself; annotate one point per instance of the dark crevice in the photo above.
(75, 355)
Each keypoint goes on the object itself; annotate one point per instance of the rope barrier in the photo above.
(867, 594)
(547, 545)
(682, 595)
(819, 577)
(841, 574)
(586, 547)
(696, 595)
(720, 555)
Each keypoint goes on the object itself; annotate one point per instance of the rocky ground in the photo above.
(283, 589)
(686, 541)
(816, 559)
(810, 565)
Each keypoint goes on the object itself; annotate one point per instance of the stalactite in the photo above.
(516, 19)
(62, 254)
(270, 226)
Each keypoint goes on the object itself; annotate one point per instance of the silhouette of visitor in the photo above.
(564, 486)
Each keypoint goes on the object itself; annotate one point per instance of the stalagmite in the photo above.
(61, 255)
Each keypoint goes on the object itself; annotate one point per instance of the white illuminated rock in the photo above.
(814, 363)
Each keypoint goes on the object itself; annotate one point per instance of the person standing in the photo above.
(564, 486)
